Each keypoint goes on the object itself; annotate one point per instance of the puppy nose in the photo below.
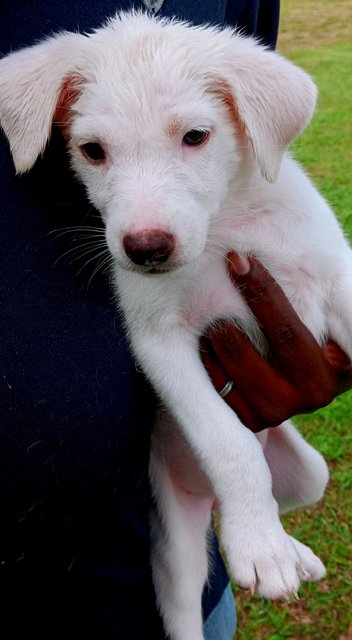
(149, 248)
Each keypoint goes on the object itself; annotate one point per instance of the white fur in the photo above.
(142, 83)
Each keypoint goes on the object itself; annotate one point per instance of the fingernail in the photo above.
(336, 357)
(239, 265)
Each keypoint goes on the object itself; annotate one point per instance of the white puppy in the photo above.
(179, 135)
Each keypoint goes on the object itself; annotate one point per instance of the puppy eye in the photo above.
(93, 151)
(195, 137)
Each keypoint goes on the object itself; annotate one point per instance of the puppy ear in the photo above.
(272, 99)
(31, 82)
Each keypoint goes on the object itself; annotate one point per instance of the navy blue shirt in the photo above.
(75, 414)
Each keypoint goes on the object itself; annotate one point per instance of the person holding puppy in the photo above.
(77, 415)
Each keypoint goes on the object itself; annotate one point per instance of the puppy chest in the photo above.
(214, 298)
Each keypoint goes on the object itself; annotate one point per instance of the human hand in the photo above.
(297, 376)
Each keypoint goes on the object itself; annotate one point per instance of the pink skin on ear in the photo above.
(69, 93)
(229, 102)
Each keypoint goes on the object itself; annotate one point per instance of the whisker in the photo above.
(95, 257)
(85, 253)
(82, 249)
(88, 243)
(106, 261)
(77, 229)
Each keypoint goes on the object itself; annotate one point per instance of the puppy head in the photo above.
(157, 116)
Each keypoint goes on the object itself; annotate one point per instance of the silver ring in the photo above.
(226, 389)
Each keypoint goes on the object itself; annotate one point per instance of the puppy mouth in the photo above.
(157, 269)
(152, 269)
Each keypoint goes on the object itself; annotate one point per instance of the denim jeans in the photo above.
(221, 624)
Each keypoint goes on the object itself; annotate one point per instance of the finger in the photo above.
(245, 412)
(218, 376)
(234, 399)
(286, 334)
(261, 386)
(340, 364)
(261, 397)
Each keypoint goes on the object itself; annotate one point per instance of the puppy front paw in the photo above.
(266, 563)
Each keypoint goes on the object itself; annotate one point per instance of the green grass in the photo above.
(325, 148)
(324, 610)
(309, 24)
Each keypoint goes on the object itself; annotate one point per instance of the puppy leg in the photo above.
(179, 524)
(299, 476)
(260, 554)
(299, 472)
(340, 309)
